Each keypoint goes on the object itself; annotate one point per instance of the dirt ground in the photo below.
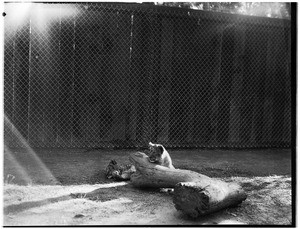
(68, 187)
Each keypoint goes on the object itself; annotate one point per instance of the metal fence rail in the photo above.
(121, 75)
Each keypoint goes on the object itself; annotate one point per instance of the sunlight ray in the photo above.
(19, 171)
(33, 163)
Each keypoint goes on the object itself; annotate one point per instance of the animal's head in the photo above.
(156, 150)
(112, 169)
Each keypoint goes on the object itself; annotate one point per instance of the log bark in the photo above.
(195, 194)
(196, 199)
(150, 175)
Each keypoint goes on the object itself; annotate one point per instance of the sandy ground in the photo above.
(67, 187)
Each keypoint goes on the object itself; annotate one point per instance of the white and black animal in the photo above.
(159, 155)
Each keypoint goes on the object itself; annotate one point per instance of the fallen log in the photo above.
(196, 199)
(150, 175)
(195, 194)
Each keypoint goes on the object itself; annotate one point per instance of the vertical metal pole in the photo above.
(29, 85)
(73, 83)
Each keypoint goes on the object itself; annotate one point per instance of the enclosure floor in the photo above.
(81, 166)
(53, 175)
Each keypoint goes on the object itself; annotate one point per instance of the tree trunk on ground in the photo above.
(196, 199)
(194, 193)
(150, 175)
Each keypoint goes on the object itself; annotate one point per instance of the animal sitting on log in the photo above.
(159, 155)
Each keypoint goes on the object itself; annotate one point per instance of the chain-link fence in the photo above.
(121, 75)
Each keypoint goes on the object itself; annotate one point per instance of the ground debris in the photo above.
(78, 195)
(79, 216)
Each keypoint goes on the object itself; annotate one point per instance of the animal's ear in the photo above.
(114, 162)
(151, 144)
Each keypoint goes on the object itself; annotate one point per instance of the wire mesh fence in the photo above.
(121, 75)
